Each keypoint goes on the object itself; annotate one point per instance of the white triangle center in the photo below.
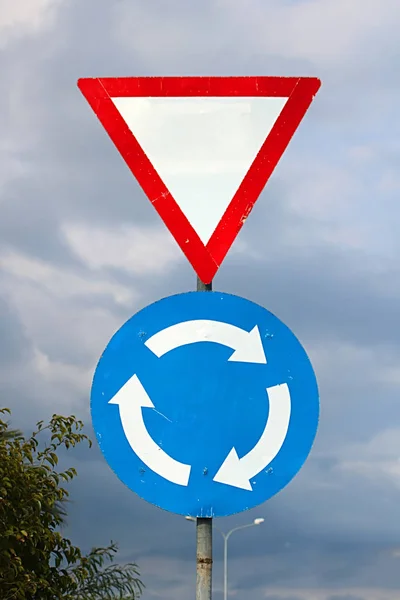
(201, 147)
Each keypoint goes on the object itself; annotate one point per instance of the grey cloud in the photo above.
(28, 224)
(329, 527)
(282, 552)
(68, 180)
(274, 597)
(18, 380)
(15, 346)
(344, 597)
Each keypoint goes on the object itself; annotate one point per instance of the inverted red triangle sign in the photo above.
(201, 148)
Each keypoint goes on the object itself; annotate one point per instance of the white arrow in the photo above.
(247, 344)
(236, 471)
(132, 397)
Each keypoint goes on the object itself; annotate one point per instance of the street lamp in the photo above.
(226, 537)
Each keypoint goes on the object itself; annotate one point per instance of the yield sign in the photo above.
(201, 148)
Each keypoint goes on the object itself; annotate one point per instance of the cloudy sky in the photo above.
(81, 250)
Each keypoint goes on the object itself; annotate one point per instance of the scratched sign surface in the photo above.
(205, 404)
(202, 148)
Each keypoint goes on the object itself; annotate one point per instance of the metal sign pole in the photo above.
(203, 530)
(203, 287)
(203, 559)
(118, 395)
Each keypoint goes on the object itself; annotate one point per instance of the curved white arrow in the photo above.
(131, 398)
(247, 344)
(236, 471)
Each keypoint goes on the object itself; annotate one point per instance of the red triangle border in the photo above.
(205, 260)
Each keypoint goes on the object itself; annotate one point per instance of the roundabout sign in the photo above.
(205, 404)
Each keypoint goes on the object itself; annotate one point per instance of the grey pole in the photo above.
(203, 559)
(203, 530)
(203, 287)
(225, 566)
(226, 537)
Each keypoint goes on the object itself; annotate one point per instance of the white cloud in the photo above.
(62, 284)
(326, 32)
(377, 459)
(330, 357)
(58, 310)
(63, 385)
(60, 322)
(62, 374)
(139, 250)
(63, 325)
(22, 17)
(329, 33)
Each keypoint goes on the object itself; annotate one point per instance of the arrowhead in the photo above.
(251, 349)
(132, 394)
(230, 473)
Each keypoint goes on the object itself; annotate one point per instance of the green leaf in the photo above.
(37, 562)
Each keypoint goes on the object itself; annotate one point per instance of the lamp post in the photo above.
(226, 537)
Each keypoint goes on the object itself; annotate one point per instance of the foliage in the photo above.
(36, 561)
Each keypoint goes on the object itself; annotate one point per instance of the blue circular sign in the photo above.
(205, 404)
